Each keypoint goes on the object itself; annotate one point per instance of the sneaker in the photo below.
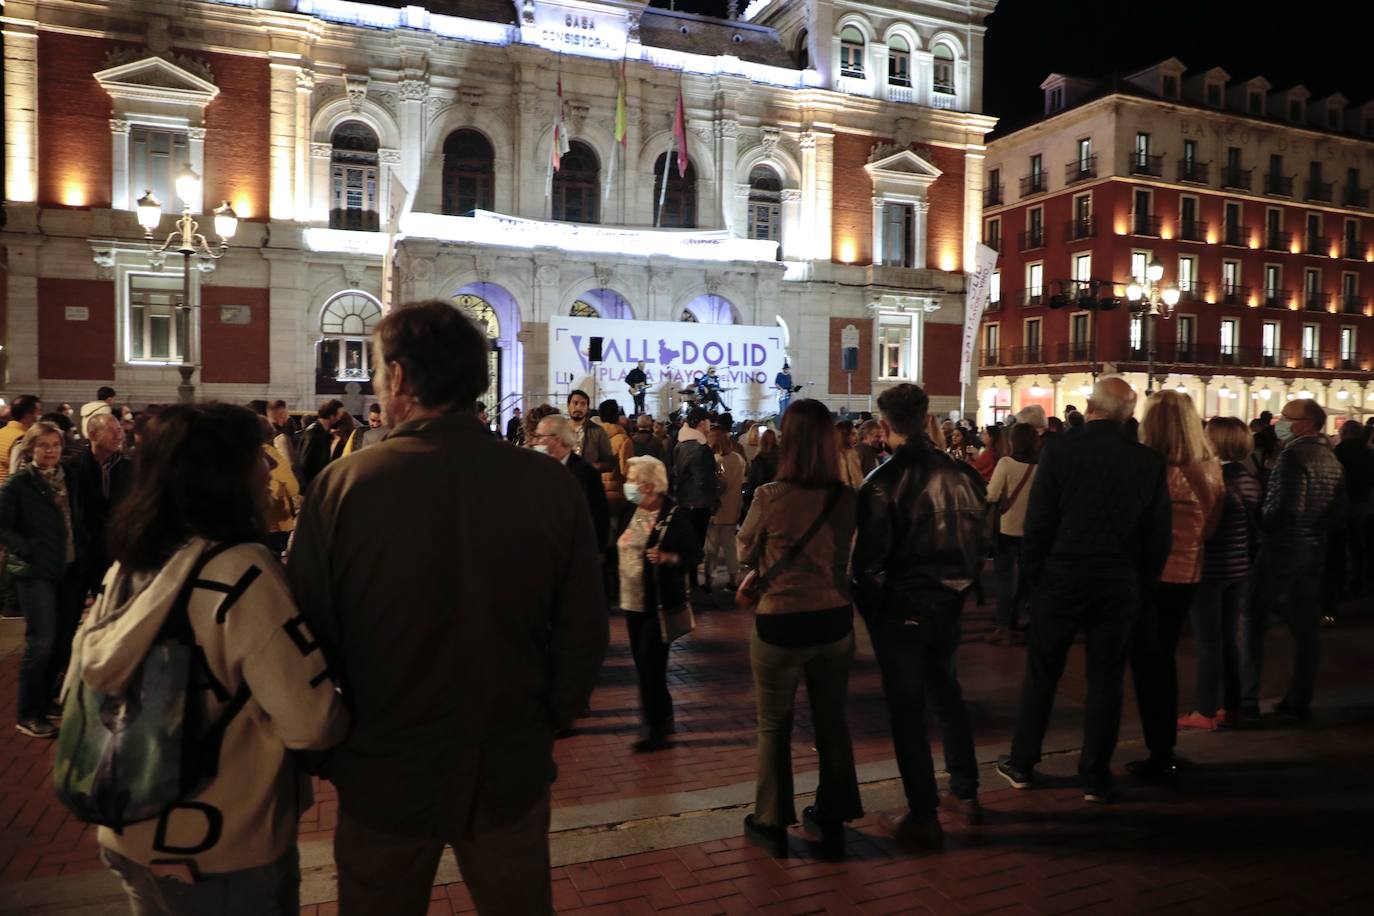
(37, 728)
(772, 840)
(1198, 721)
(906, 830)
(1016, 777)
(1097, 795)
(967, 811)
(1155, 771)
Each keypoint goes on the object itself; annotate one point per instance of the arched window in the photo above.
(481, 312)
(943, 80)
(469, 173)
(680, 203)
(803, 53)
(709, 309)
(577, 186)
(851, 52)
(583, 309)
(765, 204)
(353, 177)
(898, 62)
(602, 303)
(687, 316)
(346, 324)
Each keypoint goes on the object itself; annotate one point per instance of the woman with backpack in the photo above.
(40, 525)
(191, 570)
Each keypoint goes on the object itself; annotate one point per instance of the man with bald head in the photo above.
(1305, 498)
(1097, 533)
(102, 476)
(556, 437)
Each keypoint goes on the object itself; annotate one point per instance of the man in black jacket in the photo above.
(919, 548)
(695, 488)
(555, 437)
(103, 475)
(317, 445)
(1098, 531)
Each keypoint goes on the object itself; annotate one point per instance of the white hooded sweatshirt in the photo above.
(246, 622)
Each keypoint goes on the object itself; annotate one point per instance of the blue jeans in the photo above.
(1217, 608)
(917, 660)
(1006, 568)
(52, 610)
(268, 890)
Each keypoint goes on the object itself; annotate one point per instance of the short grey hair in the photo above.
(96, 424)
(560, 427)
(1113, 397)
(652, 471)
(1033, 415)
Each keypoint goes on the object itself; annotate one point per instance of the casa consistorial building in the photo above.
(729, 192)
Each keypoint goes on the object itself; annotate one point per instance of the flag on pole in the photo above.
(979, 285)
(560, 144)
(621, 135)
(680, 135)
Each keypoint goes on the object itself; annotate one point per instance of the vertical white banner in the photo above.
(975, 303)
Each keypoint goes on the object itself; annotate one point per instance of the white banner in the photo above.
(675, 355)
(979, 289)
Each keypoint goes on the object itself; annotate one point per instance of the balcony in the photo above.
(1318, 359)
(1277, 240)
(1195, 291)
(1314, 301)
(1350, 362)
(1238, 236)
(994, 305)
(1279, 185)
(1032, 239)
(1192, 230)
(1233, 294)
(994, 242)
(1080, 170)
(1352, 304)
(1274, 357)
(1352, 250)
(991, 359)
(1142, 164)
(1034, 183)
(1145, 224)
(1190, 352)
(1033, 296)
(1236, 178)
(1193, 172)
(1355, 197)
(1276, 298)
(1319, 191)
(1317, 244)
(992, 197)
(1077, 229)
(1027, 356)
(1078, 351)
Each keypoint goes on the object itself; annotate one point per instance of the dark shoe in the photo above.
(967, 811)
(652, 741)
(37, 728)
(925, 834)
(1157, 771)
(772, 840)
(1014, 775)
(1004, 637)
(1097, 794)
(1288, 713)
(825, 834)
(54, 714)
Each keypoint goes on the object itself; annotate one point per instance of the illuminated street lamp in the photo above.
(186, 239)
(1153, 301)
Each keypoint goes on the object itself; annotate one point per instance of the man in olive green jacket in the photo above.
(454, 582)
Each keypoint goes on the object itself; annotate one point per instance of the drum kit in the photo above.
(690, 397)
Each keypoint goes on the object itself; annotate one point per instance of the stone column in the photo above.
(121, 197)
(792, 231)
(195, 150)
(21, 113)
(973, 206)
(300, 155)
(878, 241)
(818, 158)
(921, 210)
(1056, 396)
(281, 139)
(412, 121)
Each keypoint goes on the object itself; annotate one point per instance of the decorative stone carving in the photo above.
(727, 130)
(189, 64)
(305, 79)
(546, 275)
(527, 12)
(712, 284)
(808, 139)
(118, 126)
(881, 151)
(385, 99)
(321, 150)
(389, 156)
(924, 151)
(769, 137)
(632, 27)
(472, 96)
(354, 273)
(790, 195)
(195, 133)
(414, 90)
(661, 281)
(435, 105)
(483, 268)
(356, 86)
(603, 275)
(742, 190)
(421, 270)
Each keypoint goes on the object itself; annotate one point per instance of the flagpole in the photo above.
(663, 186)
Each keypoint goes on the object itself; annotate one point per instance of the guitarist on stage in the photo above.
(708, 390)
(638, 383)
(783, 382)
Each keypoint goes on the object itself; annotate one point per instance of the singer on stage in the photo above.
(708, 391)
(783, 382)
(638, 383)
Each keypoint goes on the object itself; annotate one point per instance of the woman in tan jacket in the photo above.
(803, 629)
(1173, 428)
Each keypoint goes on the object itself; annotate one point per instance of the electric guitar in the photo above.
(640, 388)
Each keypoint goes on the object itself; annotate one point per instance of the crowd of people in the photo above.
(359, 613)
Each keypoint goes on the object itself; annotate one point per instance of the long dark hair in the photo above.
(195, 475)
(807, 454)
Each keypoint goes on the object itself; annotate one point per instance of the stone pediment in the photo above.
(900, 170)
(156, 79)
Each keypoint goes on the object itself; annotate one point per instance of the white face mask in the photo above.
(541, 448)
(633, 493)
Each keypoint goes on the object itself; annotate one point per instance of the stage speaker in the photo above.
(594, 349)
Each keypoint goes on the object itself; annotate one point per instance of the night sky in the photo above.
(1312, 43)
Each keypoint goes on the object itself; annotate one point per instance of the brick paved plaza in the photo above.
(1268, 821)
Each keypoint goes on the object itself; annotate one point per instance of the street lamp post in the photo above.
(1153, 300)
(186, 240)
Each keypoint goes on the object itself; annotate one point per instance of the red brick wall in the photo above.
(233, 352)
(945, 221)
(74, 161)
(863, 381)
(851, 210)
(943, 343)
(236, 138)
(76, 349)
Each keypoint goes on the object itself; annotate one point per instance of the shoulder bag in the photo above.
(675, 622)
(754, 584)
(1000, 508)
